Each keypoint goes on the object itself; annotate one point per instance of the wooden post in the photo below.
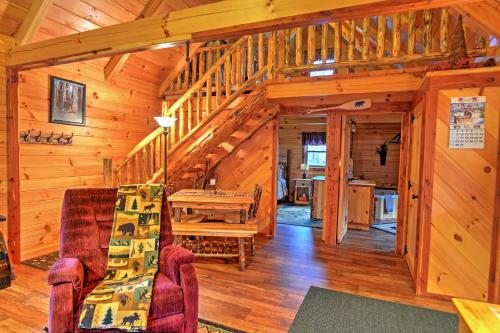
(380, 36)
(351, 42)
(298, 46)
(332, 173)
(444, 30)
(107, 171)
(186, 76)
(261, 50)
(324, 43)
(411, 33)
(271, 55)
(366, 40)
(311, 44)
(281, 52)
(238, 66)
(13, 182)
(190, 113)
(337, 42)
(427, 31)
(287, 47)
(227, 77)
(195, 67)
(218, 88)
(396, 35)
(250, 56)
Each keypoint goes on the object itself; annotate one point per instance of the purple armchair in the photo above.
(87, 219)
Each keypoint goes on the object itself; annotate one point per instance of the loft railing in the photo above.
(217, 76)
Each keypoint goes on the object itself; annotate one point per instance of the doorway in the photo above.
(301, 170)
(369, 182)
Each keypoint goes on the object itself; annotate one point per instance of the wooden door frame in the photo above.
(13, 183)
(402, 175)
(404, 158)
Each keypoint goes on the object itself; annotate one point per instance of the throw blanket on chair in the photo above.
(123, 298)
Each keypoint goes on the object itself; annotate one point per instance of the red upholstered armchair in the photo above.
(87, 218)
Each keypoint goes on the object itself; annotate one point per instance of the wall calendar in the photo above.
(467, 122)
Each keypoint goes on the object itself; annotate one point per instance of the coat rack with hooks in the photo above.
(51, 138)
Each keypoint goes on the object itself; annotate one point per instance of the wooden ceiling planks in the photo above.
(70, 17)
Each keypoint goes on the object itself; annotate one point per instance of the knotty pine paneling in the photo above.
(119, 115)
(462, 204)
(366, 161)
(252, 163)
(290, 139)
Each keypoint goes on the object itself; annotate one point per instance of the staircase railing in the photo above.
(370, 42)
(202, 58)
(214, 91)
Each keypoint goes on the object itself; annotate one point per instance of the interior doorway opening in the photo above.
(369, 182)
(301, 170)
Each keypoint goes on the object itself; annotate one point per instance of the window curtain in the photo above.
(314, 138)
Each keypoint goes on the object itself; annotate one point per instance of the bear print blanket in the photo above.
(123, 298)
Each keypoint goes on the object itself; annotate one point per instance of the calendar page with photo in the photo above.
(467, 122)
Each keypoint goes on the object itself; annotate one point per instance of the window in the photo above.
(315, 155)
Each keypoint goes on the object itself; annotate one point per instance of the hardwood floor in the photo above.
(264, 298)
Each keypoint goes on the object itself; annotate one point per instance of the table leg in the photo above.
(241, 257)
(177, 214)
(243, 215)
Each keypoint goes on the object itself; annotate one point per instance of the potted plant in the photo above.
(382, 152)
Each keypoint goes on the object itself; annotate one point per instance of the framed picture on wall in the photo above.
(67, 102)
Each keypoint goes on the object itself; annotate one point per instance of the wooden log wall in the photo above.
(366, 161)
(290, 139)
(118, 116)
(252, 163)
(463, 202)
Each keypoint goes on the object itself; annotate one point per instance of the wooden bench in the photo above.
(240, 231)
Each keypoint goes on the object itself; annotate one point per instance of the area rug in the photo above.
(389, 227)
(297, 215)
(43, 262)
(330, 311)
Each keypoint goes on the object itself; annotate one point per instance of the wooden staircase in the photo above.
(217, 113)
(219, 101)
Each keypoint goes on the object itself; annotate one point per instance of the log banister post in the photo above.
(311, 44)
(444, 30)
(366, 40)
(380, 36)
(351, 43)
(427, 31)
(396, 35)
(411, 33)
(298, 46)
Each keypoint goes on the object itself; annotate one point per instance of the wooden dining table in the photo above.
(221, 200)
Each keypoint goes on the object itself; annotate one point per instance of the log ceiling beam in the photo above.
(32, 21)
(212, 21)
(395, 80)
(116, 63)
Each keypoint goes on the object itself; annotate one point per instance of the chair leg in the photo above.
(241, 256)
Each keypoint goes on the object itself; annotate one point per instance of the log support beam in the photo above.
(212, 21)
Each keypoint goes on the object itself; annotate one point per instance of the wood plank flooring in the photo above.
(264, 298)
